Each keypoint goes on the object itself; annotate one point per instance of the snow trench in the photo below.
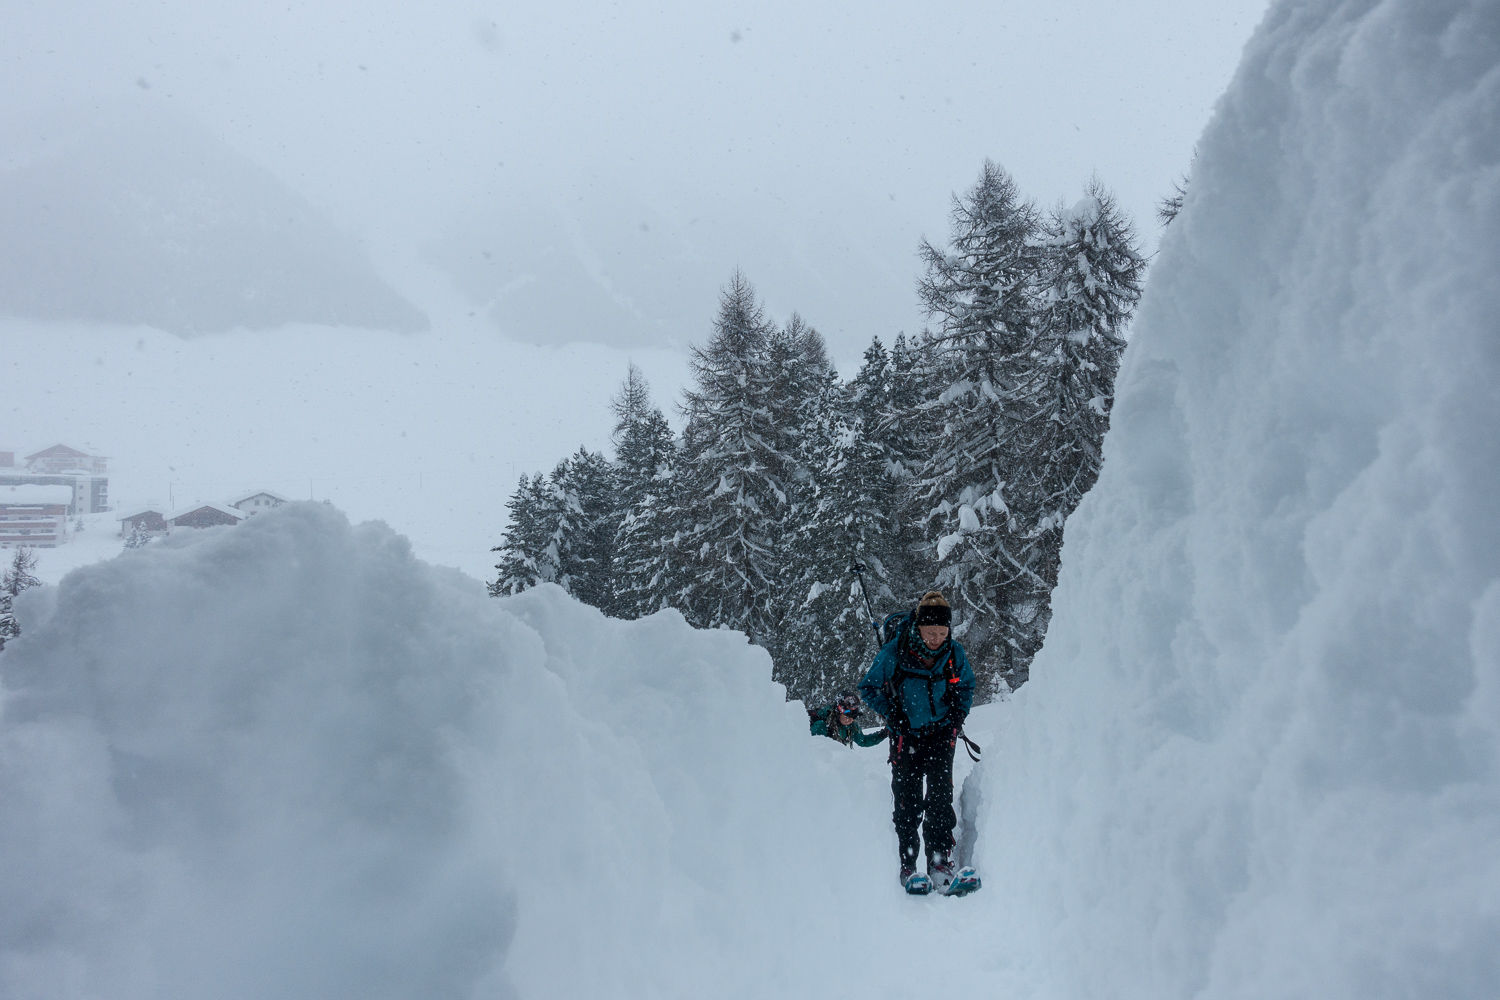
(1259, 755)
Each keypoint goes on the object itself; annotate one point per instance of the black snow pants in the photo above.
(914, 757)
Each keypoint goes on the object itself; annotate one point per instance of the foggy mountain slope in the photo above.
(135, 213)
(1258, 754)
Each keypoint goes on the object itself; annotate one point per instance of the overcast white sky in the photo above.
(593, 171)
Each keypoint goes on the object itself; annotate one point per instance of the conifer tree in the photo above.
(952, 460)
(798, 373)
(529, 551)
(644, 454)
(1092, 276)
(642, 437)
(650, 568)
(829, 641)
(907, 430)
(982, 292)
(870, 391)
(733, 494)
(17, 578)
(586, 536)
(561, 531)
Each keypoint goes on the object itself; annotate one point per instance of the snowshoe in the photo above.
(914, 882)
(963, 882)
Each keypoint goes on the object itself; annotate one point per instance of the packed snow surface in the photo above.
(1257, 757)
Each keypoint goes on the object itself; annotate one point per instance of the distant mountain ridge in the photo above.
(142, 215)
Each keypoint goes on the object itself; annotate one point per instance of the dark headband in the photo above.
(934, 614)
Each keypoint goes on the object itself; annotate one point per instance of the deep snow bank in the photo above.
(1258, 754)
(289, 760)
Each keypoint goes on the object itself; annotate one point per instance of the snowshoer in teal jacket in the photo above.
(922, 683)
(925, 682)
(836, 722)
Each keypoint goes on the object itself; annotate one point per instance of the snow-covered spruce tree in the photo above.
(642, 438)
(905, 430)
(644, 453)
(649, 568)
(732, 492)
(870, 389)
(137, 538)
(858, 467)
(845, 519)
(529, 549)
(8, 627)
(798, 371)
(982, 293)
(561, 531)
(586, 544)
(804, 387)
(18, 577)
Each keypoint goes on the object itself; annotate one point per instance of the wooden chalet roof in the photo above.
(204, 508)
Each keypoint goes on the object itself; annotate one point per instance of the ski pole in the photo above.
(858, 570)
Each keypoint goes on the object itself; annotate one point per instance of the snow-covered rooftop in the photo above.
(242, 497)
(140, 509)
(31, 494)
(57, 451)
(220, 507)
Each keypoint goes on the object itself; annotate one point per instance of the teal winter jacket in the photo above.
(922, 687)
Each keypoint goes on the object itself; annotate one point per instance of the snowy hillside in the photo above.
(134, 213)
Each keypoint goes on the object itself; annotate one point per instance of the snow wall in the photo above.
(287, 759)
(1258, 754)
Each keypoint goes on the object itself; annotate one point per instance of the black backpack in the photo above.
(892, 625)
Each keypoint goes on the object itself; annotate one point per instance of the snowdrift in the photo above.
(1258, 755)
(289, 760)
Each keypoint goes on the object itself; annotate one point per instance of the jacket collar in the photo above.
(940, 656)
